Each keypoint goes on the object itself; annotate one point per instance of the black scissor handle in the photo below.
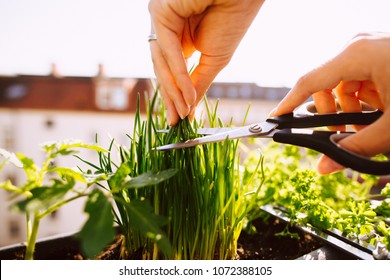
(306, 116)
(326, 142)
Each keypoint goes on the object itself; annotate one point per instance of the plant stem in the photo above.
(32, 238)
(58, 205)
(28, 225)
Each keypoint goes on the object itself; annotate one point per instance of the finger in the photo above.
(346, 93)
(205, 72)
(168, 26)
(180, 73)
(325, 101)
(352, 63)
(370, 141)
(170, 109)
(326, 165)
(325, 104)
(172, 52)
(168, 88)
(369, 94)
(325, 77)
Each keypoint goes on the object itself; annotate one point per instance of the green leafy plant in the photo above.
(341, 201)
(49, 187)
(46, 188)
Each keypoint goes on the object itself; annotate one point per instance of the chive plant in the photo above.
(201, 209)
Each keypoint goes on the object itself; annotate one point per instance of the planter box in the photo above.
(265, 244)
(58, 247)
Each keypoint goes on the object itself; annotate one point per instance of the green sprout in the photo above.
(46, 188)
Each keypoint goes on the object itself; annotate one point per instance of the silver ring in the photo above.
(152, 37)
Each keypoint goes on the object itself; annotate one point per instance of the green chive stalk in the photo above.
(204, 203)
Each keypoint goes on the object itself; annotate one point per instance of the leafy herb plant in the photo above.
(201, 209)
(46, 188)
(342, 202)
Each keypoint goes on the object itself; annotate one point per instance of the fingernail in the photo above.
(184, 112)
(168, 115)
(272, 113)
(191, 115)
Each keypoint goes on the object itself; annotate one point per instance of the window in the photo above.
(103, 97)
(111, 97)
(216, 91)
(232, 92)
(119, 98)
(245, 91)
(15, 91)
(8, 141)
(14, 229)
(49, 123)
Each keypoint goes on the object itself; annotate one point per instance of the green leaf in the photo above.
(94, 178)
(143, 219)
(10, 157)
(150, 178)
(117, 180)
(98, 230)
(383, 228)
(85, 178)
(8, 186)
(69, 172)
(386, 190)
(383, 208)
(44, 197)
(29, 167)
(67, 147)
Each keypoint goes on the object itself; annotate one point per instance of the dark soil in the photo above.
(268, 244)
(264, 244)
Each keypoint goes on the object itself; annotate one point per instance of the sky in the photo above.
(287, 38)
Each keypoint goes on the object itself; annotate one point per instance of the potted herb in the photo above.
(349, 204)
(49, 187)
(46, 188)
(204, 204)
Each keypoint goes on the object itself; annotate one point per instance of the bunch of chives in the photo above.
(204, 202)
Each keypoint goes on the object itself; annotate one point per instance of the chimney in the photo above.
(54, 71)
(101, 71)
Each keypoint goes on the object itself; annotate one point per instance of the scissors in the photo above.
(293, 128)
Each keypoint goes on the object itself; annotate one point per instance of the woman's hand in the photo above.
(361, 72)
(212, 27)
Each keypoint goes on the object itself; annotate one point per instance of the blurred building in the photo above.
(37, 109)
(241, 99)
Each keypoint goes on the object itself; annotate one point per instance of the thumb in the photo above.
(372, 140)
(205, 73)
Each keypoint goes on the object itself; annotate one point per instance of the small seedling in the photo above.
(46, 188)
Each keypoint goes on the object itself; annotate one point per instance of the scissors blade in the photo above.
(262, 129)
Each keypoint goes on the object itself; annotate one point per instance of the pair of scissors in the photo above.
(293, 128)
